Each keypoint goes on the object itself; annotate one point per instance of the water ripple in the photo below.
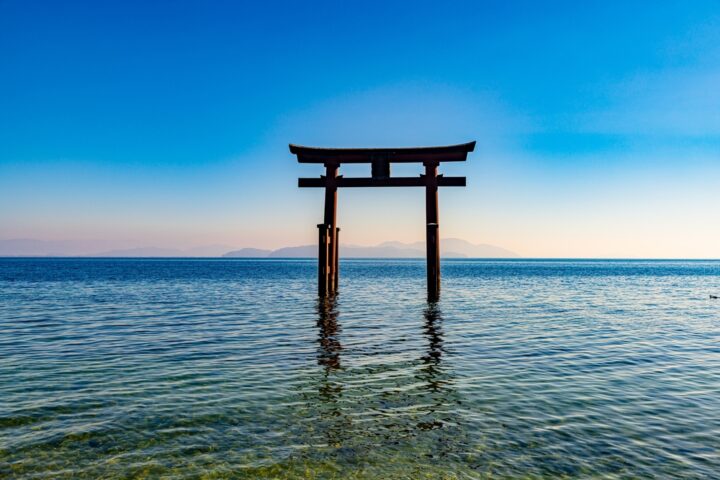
(233, 368)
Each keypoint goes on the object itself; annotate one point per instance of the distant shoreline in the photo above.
(409, 259)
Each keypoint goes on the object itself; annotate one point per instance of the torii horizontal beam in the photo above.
(341, 181)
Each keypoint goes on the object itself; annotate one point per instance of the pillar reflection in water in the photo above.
(362, 410)
(439, 394)
(432, 328)
(330, 423)
(329, 344)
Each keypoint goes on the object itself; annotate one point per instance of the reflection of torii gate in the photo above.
(380, 159)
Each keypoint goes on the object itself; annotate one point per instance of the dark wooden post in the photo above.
(331, 170)
(432, 230)
(322, 259)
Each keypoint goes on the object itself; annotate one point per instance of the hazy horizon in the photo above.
(597, 125)
(40, 248)
(85, 248)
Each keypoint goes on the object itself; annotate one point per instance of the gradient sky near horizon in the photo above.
(167, 123)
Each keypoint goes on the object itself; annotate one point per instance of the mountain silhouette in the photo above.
(449, 248)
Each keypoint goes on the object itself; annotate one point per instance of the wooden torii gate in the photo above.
(380, 160)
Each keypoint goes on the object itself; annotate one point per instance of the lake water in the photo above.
(233, 369)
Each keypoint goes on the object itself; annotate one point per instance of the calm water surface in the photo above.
(233, 369)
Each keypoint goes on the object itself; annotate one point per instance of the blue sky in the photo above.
(598, 123)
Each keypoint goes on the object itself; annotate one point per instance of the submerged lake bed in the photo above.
(233, 368)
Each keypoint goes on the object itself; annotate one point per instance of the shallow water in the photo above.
(233, 369)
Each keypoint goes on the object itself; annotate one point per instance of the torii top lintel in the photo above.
(448, 153)
(380, 159)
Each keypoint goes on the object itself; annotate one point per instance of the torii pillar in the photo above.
(380, 159)
(432, 229)
(329, 235)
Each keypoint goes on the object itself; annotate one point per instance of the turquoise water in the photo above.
(233, 369)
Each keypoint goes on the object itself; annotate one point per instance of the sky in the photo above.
(168, 123)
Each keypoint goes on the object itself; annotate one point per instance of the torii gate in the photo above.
(380, 159)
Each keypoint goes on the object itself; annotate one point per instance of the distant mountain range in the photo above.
(93, 248)
(449, 248)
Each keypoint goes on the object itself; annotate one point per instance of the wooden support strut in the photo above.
(322, 259)
(336, 268)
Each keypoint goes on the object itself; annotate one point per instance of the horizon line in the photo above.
(515, 259)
